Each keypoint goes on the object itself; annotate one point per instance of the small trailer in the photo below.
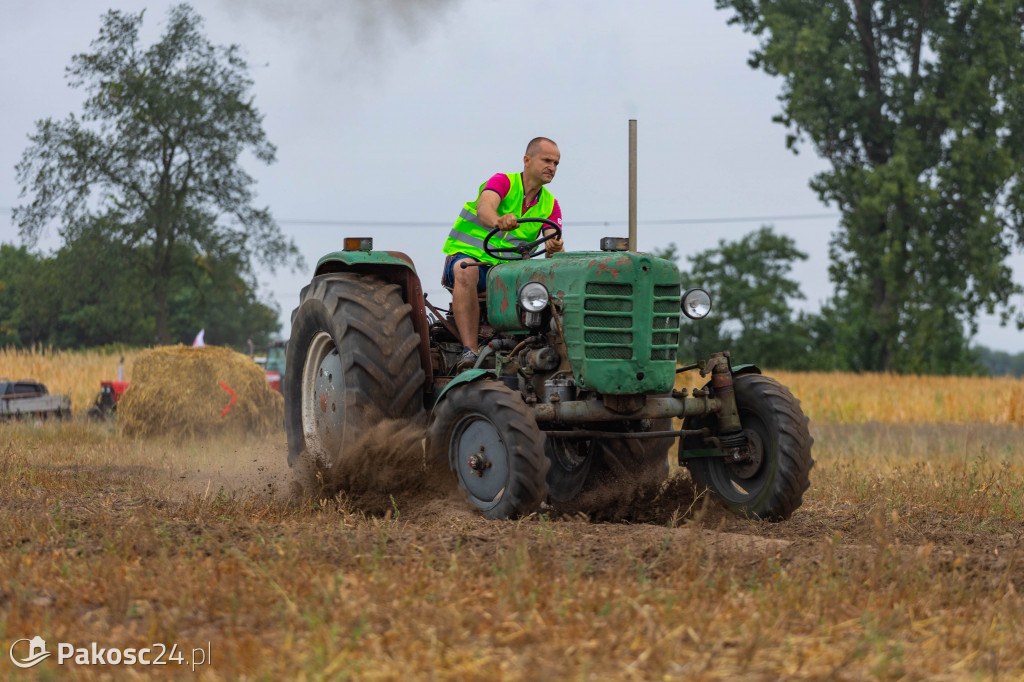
(30, 399)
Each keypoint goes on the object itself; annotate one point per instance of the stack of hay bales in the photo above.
(176, 391)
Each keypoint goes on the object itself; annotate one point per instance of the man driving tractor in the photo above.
(500, 203)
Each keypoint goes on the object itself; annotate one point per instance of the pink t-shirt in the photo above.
(500, 183)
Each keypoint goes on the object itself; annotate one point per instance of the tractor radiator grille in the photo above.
(610, 324)
(608, 321)
(665, 336)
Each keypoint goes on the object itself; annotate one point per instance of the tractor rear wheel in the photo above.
(492, 443)
(353, 359)
(771, 483)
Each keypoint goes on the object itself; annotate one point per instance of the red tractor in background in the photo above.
(105, 405)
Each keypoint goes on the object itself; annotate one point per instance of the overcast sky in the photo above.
(391, 110)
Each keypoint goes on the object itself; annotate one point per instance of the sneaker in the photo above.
(466, 360)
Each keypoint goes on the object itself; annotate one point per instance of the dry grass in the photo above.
(905, 562)
(891, 399)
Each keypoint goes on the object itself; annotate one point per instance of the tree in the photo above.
(919, 108)
(155, 156)
(84, 296)
(24, 317)
(750, 289)
(999, 363)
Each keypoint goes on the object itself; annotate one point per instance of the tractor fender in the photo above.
(363, 261)
(467, 377)
(397, 268)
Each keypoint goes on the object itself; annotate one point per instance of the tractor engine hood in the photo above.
(619, 310)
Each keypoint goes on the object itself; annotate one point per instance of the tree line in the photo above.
(918, 109)
(753, 315)
(89, 293)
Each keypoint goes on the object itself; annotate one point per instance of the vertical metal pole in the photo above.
(632, 184)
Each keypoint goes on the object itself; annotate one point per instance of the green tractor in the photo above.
(573, 388)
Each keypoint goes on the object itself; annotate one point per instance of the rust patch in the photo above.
(501, 290)
(541, 276)
(323, 402)
(613, 267)
(401, 256)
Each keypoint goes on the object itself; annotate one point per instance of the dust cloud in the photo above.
(386, 471)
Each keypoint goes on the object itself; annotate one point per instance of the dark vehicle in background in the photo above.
(30, 399)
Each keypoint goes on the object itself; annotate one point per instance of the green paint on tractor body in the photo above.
(619, 313)
(365, 258)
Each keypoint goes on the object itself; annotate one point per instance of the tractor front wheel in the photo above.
(769, 484)
(493, 445)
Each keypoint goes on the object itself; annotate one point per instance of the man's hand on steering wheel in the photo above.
(507, 222)
(554, 245)
(523, 251)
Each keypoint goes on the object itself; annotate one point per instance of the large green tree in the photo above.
(918, 105)
(155, 157)
(751, 290)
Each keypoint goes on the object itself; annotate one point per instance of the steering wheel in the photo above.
(523, 251)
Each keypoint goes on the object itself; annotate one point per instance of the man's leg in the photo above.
(466, 306)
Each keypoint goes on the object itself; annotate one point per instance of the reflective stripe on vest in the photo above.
(468, 234)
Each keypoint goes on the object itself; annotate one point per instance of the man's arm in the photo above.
(487, 212)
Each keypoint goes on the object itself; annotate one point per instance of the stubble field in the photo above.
(903, 563)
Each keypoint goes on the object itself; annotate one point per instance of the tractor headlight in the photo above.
(534, 297)
(696, 304)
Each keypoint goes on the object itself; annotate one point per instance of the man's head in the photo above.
(541, 160)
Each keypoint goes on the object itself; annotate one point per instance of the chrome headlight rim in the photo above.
(533, 297)
(695, 303)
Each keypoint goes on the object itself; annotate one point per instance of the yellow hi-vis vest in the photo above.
(467, 235)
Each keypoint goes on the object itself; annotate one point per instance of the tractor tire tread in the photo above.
(792, 475)
(365, 313)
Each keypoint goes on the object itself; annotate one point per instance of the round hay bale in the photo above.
(176, 391)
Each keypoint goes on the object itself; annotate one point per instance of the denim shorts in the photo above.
(448, 276)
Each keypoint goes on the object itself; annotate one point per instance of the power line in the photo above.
(573, 223)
